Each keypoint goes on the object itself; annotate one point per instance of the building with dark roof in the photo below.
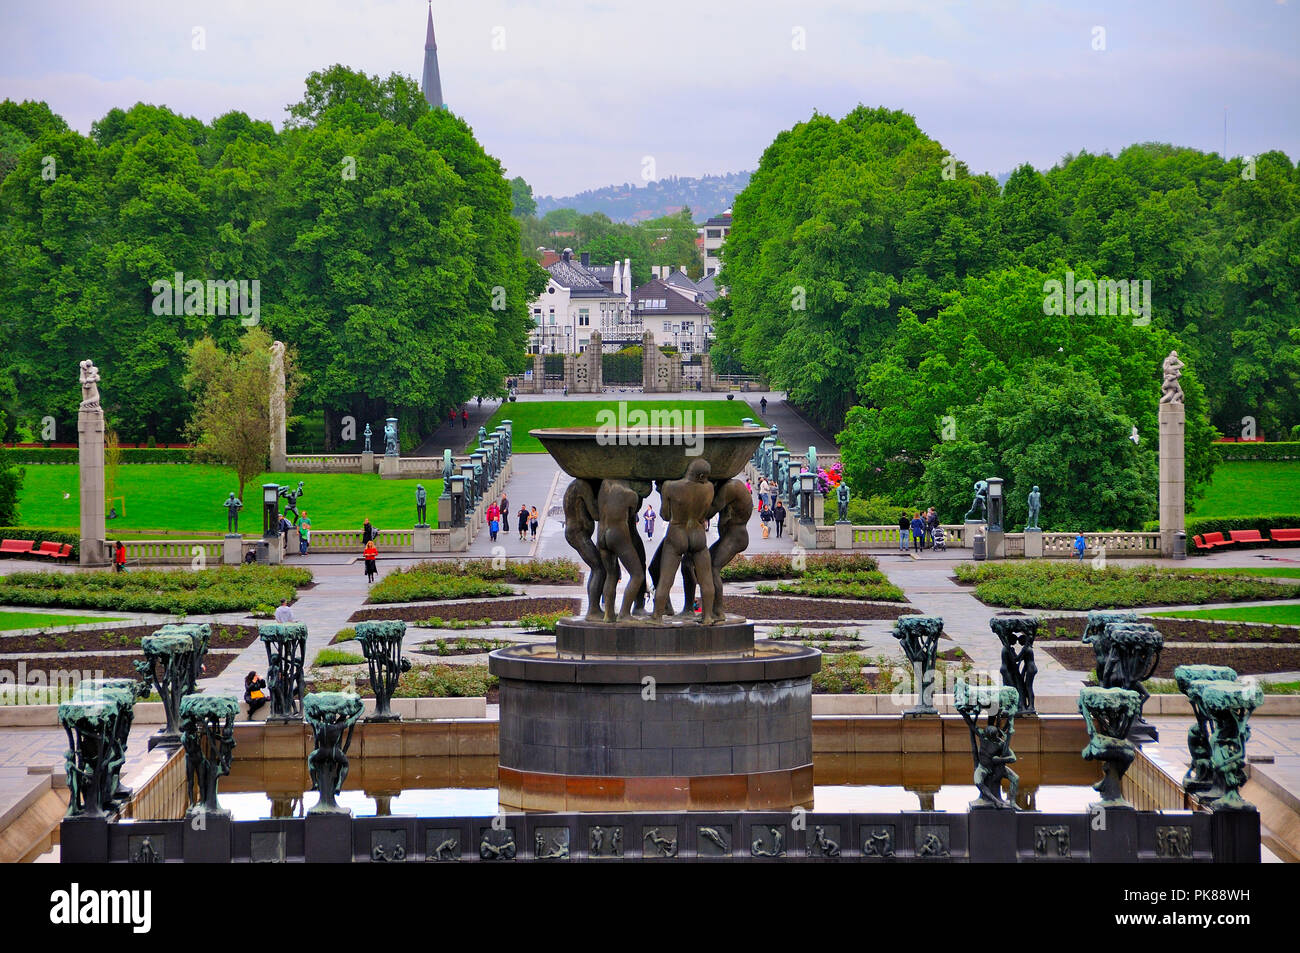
(716, 231)
(673, 317)
(579, 299)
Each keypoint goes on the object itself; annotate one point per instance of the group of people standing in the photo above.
(919, 529)
(771, 511)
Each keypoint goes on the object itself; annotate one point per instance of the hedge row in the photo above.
(1258, 450)
(35, 456)
(43, 536)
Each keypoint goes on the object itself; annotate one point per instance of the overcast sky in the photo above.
(573, 95)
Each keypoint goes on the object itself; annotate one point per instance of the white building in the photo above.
(673, 314)
(580, 299)
(716, 231)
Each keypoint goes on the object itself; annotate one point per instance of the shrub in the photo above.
(1258, 450)
(405, 587)
(1044, 585)
(542, 622)
(782, 567)
(36, 456)
(327, 657)
(173, 591)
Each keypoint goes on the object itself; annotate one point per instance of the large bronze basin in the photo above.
(648, 453)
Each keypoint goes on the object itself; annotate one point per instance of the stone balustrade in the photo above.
(147, 551)
(1055, 545)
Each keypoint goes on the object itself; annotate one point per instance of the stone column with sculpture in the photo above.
(94, 549)
(279, 439)
(1173, 426)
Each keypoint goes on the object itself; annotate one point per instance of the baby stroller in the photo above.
(940, 544)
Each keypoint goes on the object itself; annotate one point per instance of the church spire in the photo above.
(432, 83)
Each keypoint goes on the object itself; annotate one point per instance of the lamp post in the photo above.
(994, 533)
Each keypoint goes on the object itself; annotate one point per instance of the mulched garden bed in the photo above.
(1246, 661)
(801, 608)
(113, 666)
(498, 610)
(224, 636)
(1182, 630)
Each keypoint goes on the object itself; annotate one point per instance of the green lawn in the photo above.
(1251, 489)
(1273, 571)
(187, 498)
(38, 620)
(1277, 615)
(531, 415)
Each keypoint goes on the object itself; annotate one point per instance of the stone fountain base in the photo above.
(655, 718)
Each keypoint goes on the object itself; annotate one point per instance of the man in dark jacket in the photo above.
(904, 532)
(778, 514)
(918, 533)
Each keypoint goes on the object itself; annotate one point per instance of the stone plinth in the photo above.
(997, 544)
(1033, 544)
(90, 458)
(367, 461)
(672, 709)
(232, 549)
(390, 467)
(1173, 421)
(422, 539)
(843, 535)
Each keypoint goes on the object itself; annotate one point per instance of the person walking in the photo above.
(762, 406)
(370, 554)
(522, 518)
(451, 417)
(464, 420)
(904, 532)
(119, 557)
(764, 515)
(284, 613)
(533, 520)
(493, 515)
(931, 523)
(505, 514)
(1080, 545)
(254, 692)
(368, 532)
(649, 515)
(918, 533)
(304, 534)
(778, 514)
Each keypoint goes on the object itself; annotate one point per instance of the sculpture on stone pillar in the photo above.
(1018, 668)
(332, 716)
(390, 437)
(1171, 391)
(1201, 778)
(421, 501)
(368, 434)
(919, 635)
(1229, 706)
(89, 385)
(286, 653)
(233, 506)
(208, 731)
(1035, 501)
(1108, 715)
(381, 643)
(842, 500)
(990, 744)
(979, 503)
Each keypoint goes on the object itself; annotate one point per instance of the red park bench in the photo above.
(1247, 536)
(1285, 535)
(1211, 540)
(54, 550)
(16, 547)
